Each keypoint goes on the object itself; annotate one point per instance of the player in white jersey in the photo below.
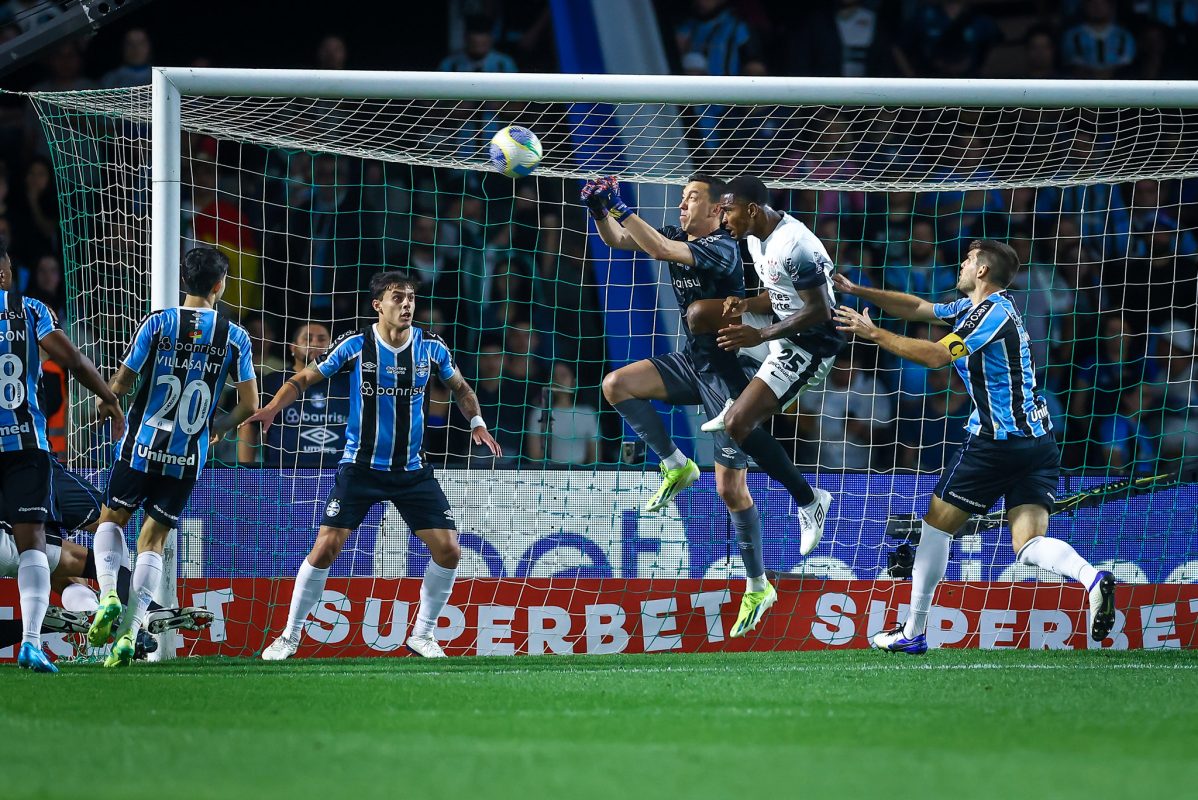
(796, 282)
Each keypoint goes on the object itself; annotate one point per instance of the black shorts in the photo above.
(1024, 471)
(416, 495)
(162, 496)
(76, 502)
(686, 386)
(26, 494)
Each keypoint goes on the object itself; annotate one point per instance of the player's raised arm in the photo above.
(610, 230)
(69, 357)
(288, 393)
(467, 402)
(897, 304)
(930, 354)
(815, 309)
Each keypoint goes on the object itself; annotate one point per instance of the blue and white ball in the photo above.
(515, 151)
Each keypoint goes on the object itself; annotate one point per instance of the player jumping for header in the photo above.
(705, 264)
(1010, 451)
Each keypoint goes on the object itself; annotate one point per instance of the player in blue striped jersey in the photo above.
(390, 366)
(25, 459)
(1010, 451)
(180, 359)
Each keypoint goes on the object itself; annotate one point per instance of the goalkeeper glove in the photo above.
(593, 202)
(608, 191)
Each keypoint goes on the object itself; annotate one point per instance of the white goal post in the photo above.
(647, 133)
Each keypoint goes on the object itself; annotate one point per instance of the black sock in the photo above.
(89, 566)
(772, 458)
(11, 632)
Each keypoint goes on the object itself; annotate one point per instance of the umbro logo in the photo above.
(818, 516)
(368, 365)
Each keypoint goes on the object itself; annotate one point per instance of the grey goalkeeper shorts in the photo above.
(686, 386)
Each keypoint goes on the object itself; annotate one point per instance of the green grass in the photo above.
(845, 724)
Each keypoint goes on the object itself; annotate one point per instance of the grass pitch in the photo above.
(822, 724)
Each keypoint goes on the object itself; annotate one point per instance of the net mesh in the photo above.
(310, 197)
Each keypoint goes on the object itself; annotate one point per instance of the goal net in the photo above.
(311, 195)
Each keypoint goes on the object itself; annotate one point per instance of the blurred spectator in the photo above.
(932, 424)
(946, 39)
(54, 400)
(717, 33)
(1100, 209)
(35, 213)
(1039, 60)
(479, 54)
(1098, 47)
(563, 430)
(5, 209)
(49, 285)
(1125, 443)
(135, 62)
(331, 53)
(504, 402)
(64, 68)
(1166, 32)
(847, 414)
(925, 272)
(1176, 368)
(262, 341)
(326, 229)
(216, 219)
(846, 41)
(310, 432)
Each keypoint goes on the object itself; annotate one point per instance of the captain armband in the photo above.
(956, 346)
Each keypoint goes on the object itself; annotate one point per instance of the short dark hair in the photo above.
(748, 188)
(715, 186)
(382, 281)
(203, 268)
(999, 257)
(3, 250)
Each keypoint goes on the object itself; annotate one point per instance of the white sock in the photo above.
(33, 581)
(77, 597)
(309, 587)
(147, 576)
(111, 554)
(673, 461)
(434, 594)
(1059, 557)
(931, 560)
(757, 584)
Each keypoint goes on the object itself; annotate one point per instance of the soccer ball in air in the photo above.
(515, 151)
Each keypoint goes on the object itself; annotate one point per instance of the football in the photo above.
(515, 151)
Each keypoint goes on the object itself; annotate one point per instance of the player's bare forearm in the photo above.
(122, 382)
(87, 374)
(759, 304)
(292, 388)
(651, 242)
(899, 304)
(797, 322)
(464, 397)
(921, 351)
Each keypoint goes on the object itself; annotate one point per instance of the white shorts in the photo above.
(10, 559)
(789, 370)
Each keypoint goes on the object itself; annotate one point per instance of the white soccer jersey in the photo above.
(791, 259)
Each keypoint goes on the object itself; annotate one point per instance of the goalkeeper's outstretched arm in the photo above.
(897, 304)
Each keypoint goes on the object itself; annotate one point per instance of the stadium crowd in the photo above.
(509, 284)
